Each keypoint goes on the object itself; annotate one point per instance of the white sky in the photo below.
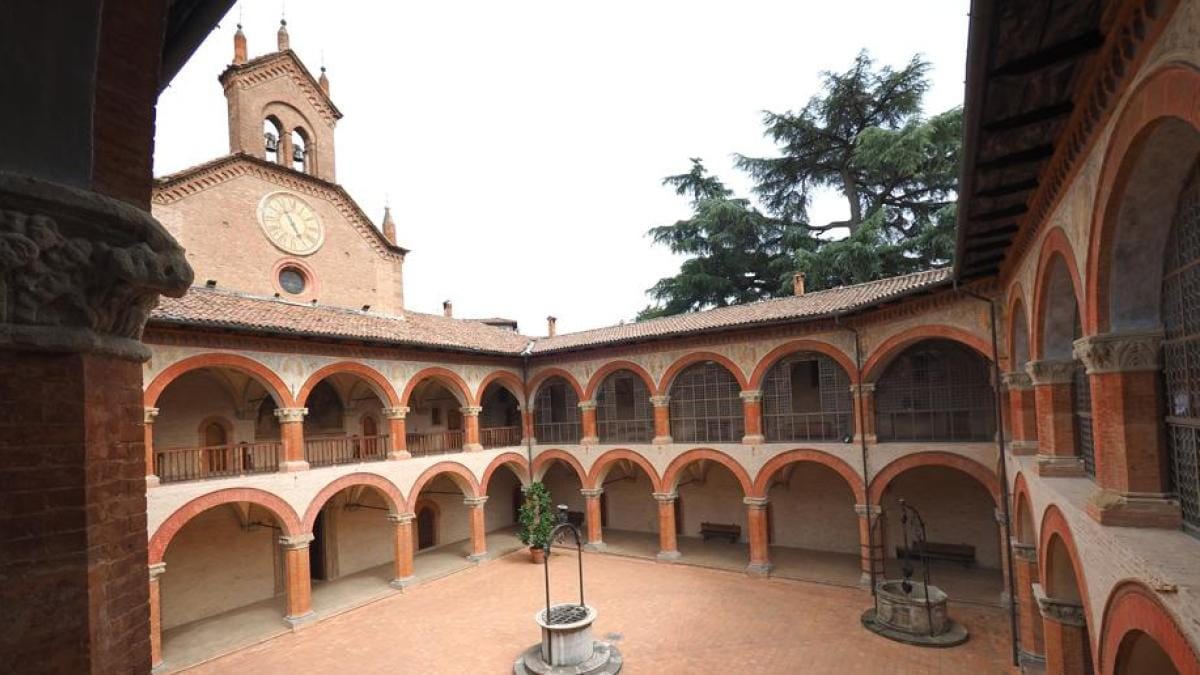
(522, 144)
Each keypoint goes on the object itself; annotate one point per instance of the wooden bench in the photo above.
(959, 553)
(731, 532)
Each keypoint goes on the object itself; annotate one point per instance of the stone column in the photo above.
(397, 431)
(1055, 418)
(148, 415)
(587, 418)
(403, 543)
(662, 419)
(1065, 633)
(872, 545)
(478, 528)
(298, 578)
(1022, 413)
(470, 415)
(595, 534)
(291, 432)
(156, 615)
(756, 523)
(752, 413)
(1029, 616)
(1131, 450)
(865, 425)
(668, 548)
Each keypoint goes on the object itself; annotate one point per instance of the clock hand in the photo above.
(292, 223)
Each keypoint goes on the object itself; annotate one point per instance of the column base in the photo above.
(1055, 466)
(756, 439)
(152, 481)
(478, 557)
(595, 546)
(668, 556)
(1116, 509)
(1023, 448)
(662, 440)
(759, 569)
(290, 466)
(396, 455)
(401, 584)
(472, 447)
(297, 621)
(589, 440)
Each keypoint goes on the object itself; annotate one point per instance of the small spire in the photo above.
(239, 46)
(284, 44)
(389, 226)
(324, 81)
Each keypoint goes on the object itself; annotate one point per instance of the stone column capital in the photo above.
(756, 502)
(1059, 610)
(592, 493)
(998, 516)
(290, 415)
(862, 387)
(666, 496)
(1017, 381)
(471, 410)
(751, 395)
(475, 502)
(397, 413)
(587, 405)
(402, 518)
(660, 401)
(1024, 552)
(148, 415)
(297, 541)
(1120, 352)
(1050, 372)
(872, 509)
(156, 570)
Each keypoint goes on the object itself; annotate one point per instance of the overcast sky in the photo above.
(522, 144)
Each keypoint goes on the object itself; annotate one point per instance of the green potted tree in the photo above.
(537, 520)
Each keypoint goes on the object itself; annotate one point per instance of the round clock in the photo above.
(290, 223)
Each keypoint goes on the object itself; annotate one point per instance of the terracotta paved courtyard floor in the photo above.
(671, 619)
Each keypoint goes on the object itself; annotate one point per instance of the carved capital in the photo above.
(402, 518)
(751, 395)
(862, 510)
(297, 541)
(396, 413)
(587, 405)
(1120, 352)
(592, 493)
(1058, 610)
(290, 415)
(756, 502)
(148, 415)
(660, 401)
(471, 410)
(1024, 552)
(475, 502)
(79, 271)
(1050, 372)
(666, 496)
(1017, 381)
(156, 570)
(865, 388)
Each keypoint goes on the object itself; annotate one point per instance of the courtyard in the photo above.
(665, 618)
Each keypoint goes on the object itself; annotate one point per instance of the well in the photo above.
(912, 612)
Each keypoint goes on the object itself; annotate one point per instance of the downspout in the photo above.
(525, 353)
(862, 437)
(1000, 445)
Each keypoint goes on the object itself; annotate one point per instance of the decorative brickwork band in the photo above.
(1120, 352)
(1058, 610)
(1050, 372)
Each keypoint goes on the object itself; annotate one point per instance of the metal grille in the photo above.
(935, 391)
(706, 405)
(623, 410)
(823, 412)
(1181, 352)
(1081, 394)
(556, 412)
(562, 614)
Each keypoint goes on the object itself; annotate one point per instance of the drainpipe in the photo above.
(1000, 445)
(862, 437)
(525, 353)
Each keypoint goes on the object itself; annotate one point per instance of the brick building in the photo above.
(301, 428)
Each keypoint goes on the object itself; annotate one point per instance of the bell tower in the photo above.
(278, 111)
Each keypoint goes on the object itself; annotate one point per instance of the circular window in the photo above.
(292, 280)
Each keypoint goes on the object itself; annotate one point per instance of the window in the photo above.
(299, 151)
(935, 390)
(806, 387)
(292, 280)
(272, 135)
(806, 397)
(435, 416)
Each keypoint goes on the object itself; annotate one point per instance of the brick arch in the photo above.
(839, 357)
(445, 377)
(289, 523)
(1017, 306)
(985, 476)
(387, 488)
(378, 383)
(504, 379)
(458, 473)
(1054, 524)
(255, 369)
(547, 373)
(853, 480)
(602, 464)
(500, 460)
(892, 347)
(1134, 607)
(1168, 93)
(541, 462)
(668, 378)
(671, 475)
(1054, 246)
(613, 366)
(1020, 496)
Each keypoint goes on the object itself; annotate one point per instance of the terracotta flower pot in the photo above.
(537, 555)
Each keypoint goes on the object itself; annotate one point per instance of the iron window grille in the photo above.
(556, 413)
(806, 397)
(623, 410)
(935, 390)
(706, 405)
(1081, 396)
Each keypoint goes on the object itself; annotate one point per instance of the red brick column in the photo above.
(662, 419)
(866, 422)
(1055, 418)
(291, 432)
(403, 542)
(1006, 598)
(595, 533)
(668, 548)
(527, 425)
(587, 419)
(398, 432)
(752, 413)
(148, 415)
(298, 578)
(1065, 634)
(1022, 413)
(478, 528)
(156, 615)
(756, 523)
(1131, 451)
(871, 544)
(470, 415)
(1029, 615)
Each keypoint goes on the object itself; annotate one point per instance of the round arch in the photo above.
(1054, 525)
(838, 356)
(1133, 607)
(387, 488)
(853, 480)
(502, 378)
(882, 355)
(283, 512)
(671, 475)
(514, 461)
(458, 473)
(447, 378)
(604, 462)
(542, 461)
(1022, 508)
(547, 373)
(686, 360)
(611, 367)
(1017, 327)
(1055, 246)
(255, 369)
(974, 469)
(374, 379)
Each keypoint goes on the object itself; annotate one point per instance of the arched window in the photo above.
(1181, 351)
(706, 405)
(272, 138)
(299, 158)
(936, 390)
(556, 412)
(806, 397)
(214, 435)
(623, 410)
(369, 428)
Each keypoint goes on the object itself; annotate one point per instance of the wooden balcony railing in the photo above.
(500, 437)
(557, 432)
(179, 464)
(434, 443)
(345, 450)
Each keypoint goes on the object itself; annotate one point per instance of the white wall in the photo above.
(185, 403)
(813, 509)
(718, 499)
(362, 537)
(498, 511)
(563, 484)
(454, 521)
(956, 509)
(630, 498)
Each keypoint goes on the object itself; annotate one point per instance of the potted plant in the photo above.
(537, 520)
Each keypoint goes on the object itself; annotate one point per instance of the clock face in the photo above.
(290, 223)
